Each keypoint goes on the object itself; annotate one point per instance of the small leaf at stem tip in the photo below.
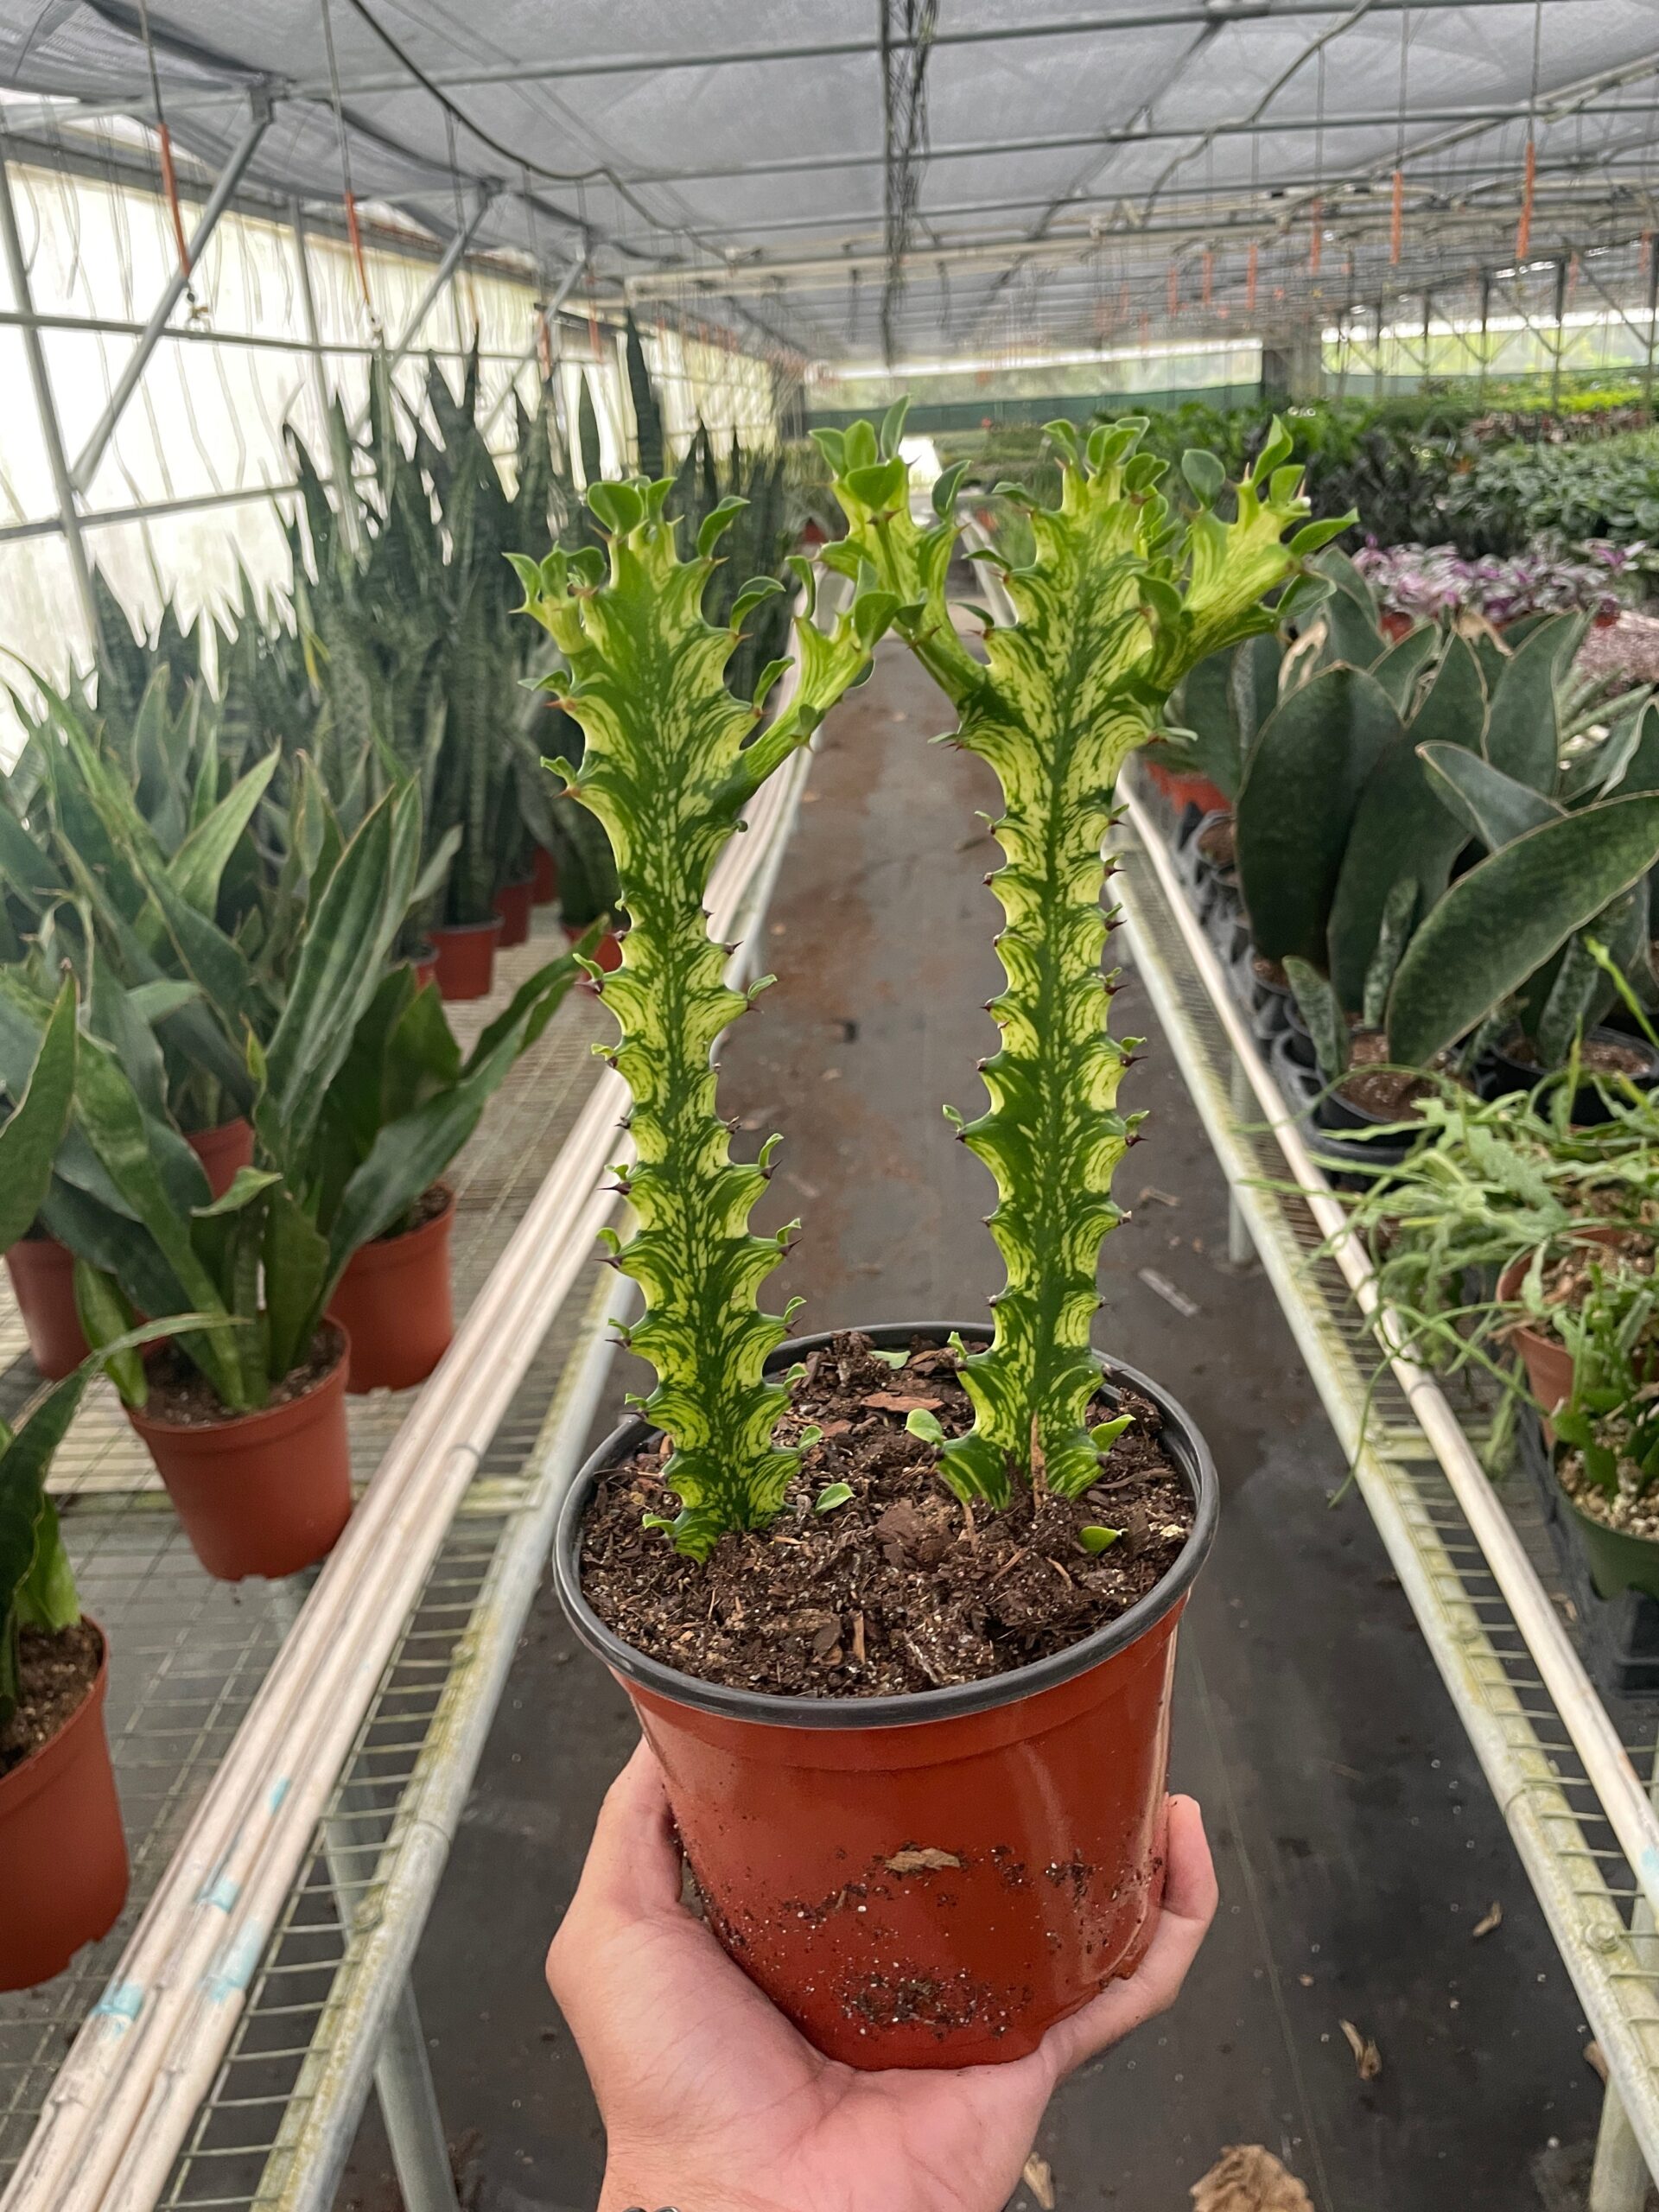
(953, 1343)
(657, 1521)
(890, 1358)
(830, 1497)
(924, 1425)
(1098, 1539)
(1105, 1433)
(808, 1437)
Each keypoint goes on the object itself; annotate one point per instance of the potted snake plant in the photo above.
(63, 1859)
(825, 1570)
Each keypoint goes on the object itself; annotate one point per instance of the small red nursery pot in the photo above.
(222, 1151)
(63, 1857)
(935, 1879)
(42, 1274)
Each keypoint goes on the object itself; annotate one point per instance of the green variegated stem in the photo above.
(1118, 603)
(668, 767)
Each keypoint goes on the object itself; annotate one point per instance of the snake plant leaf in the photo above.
(112, 1016)
(1351, 638)
(1483, 802)
(1323, 1013)
(1406, 658)
(196, 869)
(36, 1127)
(298, 1275)
(1500, 922)
(1118, 604)
(670, 760)
(1207, 708)
(158, 1175)
(26, 867)
(1401, 834)
(647, 415)
(340, 967)
(1524, 733)
(1316, 753)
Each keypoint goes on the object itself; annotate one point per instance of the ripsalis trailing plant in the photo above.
(671, 757)
(1123, 594)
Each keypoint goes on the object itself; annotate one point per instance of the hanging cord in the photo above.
(544, 327)
(349, 198)
(1523, 228)
(463, 274)
(169, 176)
(1397, 219)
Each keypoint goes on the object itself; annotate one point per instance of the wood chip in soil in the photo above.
(55, 1678)
(899, 1589)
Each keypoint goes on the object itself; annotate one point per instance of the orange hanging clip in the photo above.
(1249, 279)
(1316, 243)
(1523, 228)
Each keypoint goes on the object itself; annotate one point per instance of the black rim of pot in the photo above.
(1187, 1448)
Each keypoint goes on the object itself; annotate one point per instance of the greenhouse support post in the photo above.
(45, 405)
(224, 191)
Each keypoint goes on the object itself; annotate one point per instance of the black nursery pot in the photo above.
(1501, 1075)
(876, 1864)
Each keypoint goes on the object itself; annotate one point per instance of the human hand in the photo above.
(713, 2102)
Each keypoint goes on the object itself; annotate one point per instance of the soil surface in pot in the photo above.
(55, 1677)
(431, 1203)
(1597, 1056)
(180, 1394)
(1375, 1086)
(900, 1588)
(1632, 1511)
(1216, 842)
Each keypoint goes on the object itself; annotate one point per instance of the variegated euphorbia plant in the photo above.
(671, 759)
(1123, 596)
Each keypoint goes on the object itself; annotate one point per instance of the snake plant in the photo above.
(37, 1589)
(671, 757)
(1121, 599)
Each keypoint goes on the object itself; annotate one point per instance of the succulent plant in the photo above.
(671, 757)
(1121, 599)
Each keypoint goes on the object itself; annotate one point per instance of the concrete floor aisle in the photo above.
(1356, 1847)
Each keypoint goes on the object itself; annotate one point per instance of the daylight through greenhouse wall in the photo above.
(829, 1107)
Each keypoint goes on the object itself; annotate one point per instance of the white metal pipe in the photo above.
(131, 2081)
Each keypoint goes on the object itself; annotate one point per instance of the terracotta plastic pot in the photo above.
(424, 963)
(393, 1302)
(264, 1493)
(1546, 1360)
(464, 958)
(544, 878)
(63, 1857)
(42, 1274)
(221, 1152)
(512, 903)
(1045, 1787)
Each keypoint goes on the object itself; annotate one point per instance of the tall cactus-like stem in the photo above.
(671, 760)
(1119, 600)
